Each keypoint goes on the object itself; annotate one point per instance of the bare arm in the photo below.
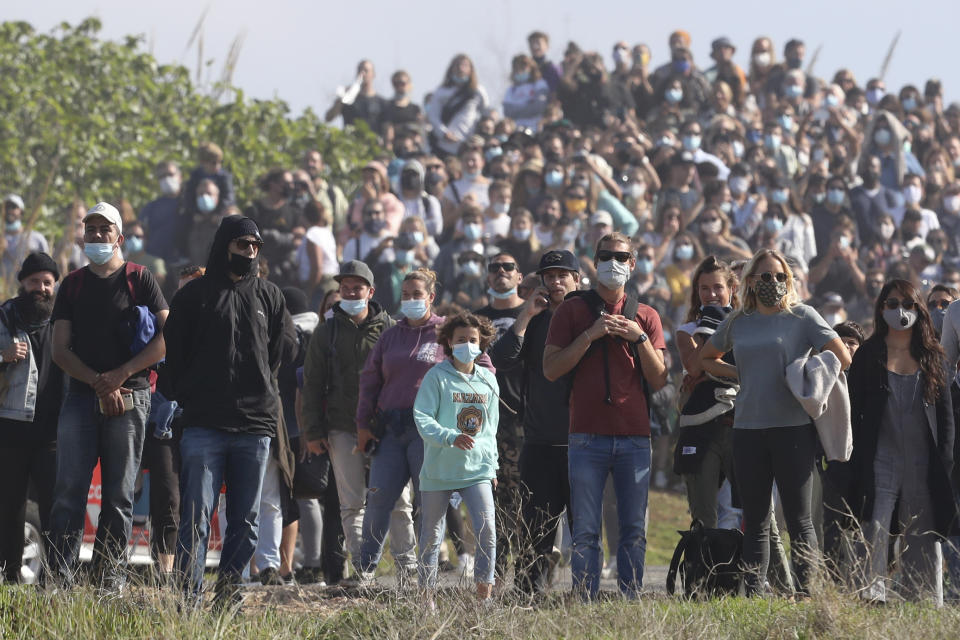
(840, 350)
(710, 360)
(558, 361)
(689, 353)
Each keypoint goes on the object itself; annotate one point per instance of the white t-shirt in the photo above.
(323, 238)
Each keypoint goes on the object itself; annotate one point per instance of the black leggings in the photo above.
(784, 454)
(19, 466)
(162, 458)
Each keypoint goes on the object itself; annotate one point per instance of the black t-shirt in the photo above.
(510, 380)
(395, 115)
(367, 108)
(99, 317)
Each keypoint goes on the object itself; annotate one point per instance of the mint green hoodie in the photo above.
(450, 403)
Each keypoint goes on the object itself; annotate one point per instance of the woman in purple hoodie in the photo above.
(385, 428)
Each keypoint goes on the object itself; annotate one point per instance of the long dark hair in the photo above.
(924, 346)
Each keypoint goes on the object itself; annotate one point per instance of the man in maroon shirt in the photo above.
(613, 358)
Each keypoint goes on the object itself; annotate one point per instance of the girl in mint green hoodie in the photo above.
(456, 412)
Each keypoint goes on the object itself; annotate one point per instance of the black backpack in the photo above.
(708, 562)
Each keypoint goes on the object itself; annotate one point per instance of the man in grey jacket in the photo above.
(31, 390)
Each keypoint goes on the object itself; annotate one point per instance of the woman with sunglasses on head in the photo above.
(773, 437)
(903, 434)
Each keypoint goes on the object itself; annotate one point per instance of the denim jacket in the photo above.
(18, 380)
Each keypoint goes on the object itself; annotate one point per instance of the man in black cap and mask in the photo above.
(31, 389)
(226, 337)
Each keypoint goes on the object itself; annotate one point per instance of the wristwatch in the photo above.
(643, 338)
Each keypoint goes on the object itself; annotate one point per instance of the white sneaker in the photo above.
(359, 580)
(609, 571)
(465, 564)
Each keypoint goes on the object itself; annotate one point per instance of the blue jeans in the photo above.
(209, 457)
(84, 435)
(398, 460)
(479, 500)
(592, 458)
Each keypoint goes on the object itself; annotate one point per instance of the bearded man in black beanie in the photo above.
(227, 334)
(31, 390)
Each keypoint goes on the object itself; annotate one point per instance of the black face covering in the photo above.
(241, 265)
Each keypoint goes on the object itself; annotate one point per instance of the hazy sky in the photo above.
(301, 51)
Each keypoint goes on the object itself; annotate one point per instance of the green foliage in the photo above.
(87, 118)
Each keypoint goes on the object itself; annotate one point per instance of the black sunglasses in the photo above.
(244, 244)
(620, 256)
(496, 267)
(766, 276)
(893, 303)
(938, 304)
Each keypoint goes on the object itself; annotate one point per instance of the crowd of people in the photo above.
(522, 307)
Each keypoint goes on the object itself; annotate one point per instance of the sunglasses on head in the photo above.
(938, 304)
(893, 303)
(620, 256)
(766, 276)
(244, 244)
(496, 267)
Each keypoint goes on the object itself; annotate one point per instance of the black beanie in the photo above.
(296, 300)
(36, 262)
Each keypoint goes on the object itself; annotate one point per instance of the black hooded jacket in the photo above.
(225, 342)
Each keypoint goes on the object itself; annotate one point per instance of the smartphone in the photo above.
(127, 403)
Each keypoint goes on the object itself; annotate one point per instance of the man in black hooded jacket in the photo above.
(227, 335)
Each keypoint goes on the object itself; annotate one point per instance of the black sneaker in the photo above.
(270, 577)
(446, 567)
(309, 575)
(227, 598)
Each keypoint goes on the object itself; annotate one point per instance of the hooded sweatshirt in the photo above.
(225, 342)
(331, 377)
(448, 404)
(396, 366)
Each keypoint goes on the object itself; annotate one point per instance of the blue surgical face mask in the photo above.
(831, 100)
(674, 95)
(909, 104)
(793, 91)
(521, 77)
(413, 309)
(644, 266)
(99, 252)
(470, 268)
(521, 235)
(460, 79)
(206, 203)
(472, 231)
(554, 178)
(417, 236)
(836, 196)
(492, 152)
(353, 307)
(684, 252)
(874, 96)
(786, 122)
(771, 142)
(506, 295)
(691, 143)
(779, 196)
(13, 227)
(134, 244)
(500, 208)
(773, 225)
(882, 137)
(738, 149)
(466, 352)
(406, 257)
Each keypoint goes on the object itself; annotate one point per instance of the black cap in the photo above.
(561, 259)
(36, 262)
(357, 269)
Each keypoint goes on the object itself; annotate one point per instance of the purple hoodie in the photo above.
(396, 366)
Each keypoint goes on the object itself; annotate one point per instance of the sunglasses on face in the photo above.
(373, 212)
(620, 256)
(893, 303)
(938, 304)
(766, 276)
(496, 267)
(244, 244)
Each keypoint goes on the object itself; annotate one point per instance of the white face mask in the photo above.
(613, 274)
(761, 59)
(169, 185)
(912, 194)
(713, 227)
(952, 203)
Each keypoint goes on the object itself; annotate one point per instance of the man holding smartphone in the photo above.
(95, 322)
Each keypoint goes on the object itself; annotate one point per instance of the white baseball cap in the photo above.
(15, 199)
(106, 211)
